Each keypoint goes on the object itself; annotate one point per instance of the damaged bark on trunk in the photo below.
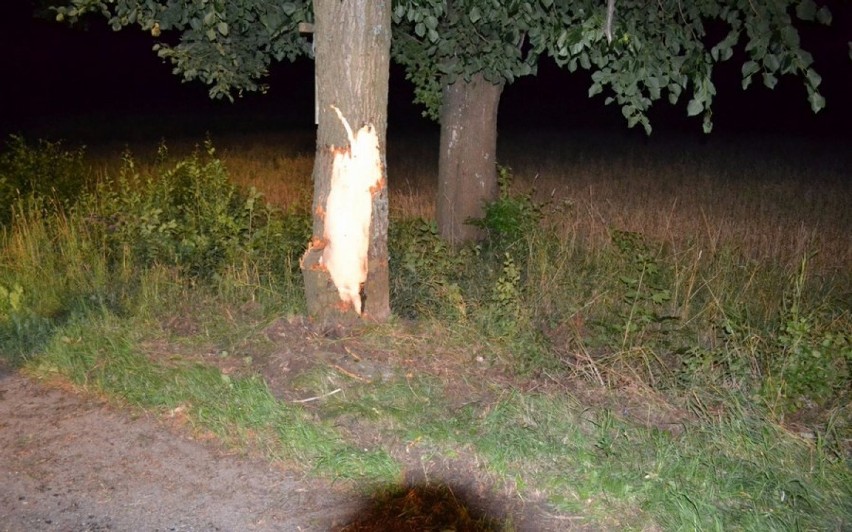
(352, 46)
(467, 171)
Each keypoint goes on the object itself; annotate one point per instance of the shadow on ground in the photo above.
(422, 507)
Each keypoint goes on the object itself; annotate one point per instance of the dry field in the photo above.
(769, 199)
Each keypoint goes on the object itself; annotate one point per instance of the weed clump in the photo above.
(189, 216)
(425, 271)
(46, 175)
(511, 217)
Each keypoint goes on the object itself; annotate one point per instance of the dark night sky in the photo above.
(53, 75)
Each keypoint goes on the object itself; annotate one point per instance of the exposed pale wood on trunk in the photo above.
(352, 40)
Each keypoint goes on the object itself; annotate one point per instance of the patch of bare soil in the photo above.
(75, 464)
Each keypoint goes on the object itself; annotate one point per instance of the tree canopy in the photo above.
(226, 44)
(439, 41)
(637, 51)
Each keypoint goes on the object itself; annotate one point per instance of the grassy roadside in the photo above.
(629, 378)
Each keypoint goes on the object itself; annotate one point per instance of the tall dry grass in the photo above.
(769, 199)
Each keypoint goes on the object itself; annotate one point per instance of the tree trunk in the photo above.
(352, 44)
(467, 170)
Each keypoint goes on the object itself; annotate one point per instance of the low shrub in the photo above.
(44, 173)
(192, 217)
(425, 271)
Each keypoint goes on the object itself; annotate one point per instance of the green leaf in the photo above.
(817, 101)
(771, 62)
(823, 16)
(814, 79)
(596, 88)
(399, 12)
(749, 69)
(694, 107)
(769, 80)
(475, 14)
(223, 28)
(661, 296)
(806, 10)
(654, 93)
(560, 41)
(805, 58)
(707, 125)
(674, 92)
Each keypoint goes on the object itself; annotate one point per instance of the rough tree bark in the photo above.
(467, 171)
(352, 45)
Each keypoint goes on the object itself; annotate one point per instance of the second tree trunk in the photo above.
(467, 171)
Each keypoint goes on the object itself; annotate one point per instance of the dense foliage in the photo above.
(87, 245)
(631, 308)
(639, 54)
(192, 217)
(47, 174)
(226, 45)
(644, 51)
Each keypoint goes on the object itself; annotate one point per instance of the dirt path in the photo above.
(73, 464)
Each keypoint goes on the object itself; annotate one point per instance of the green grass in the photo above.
(728, 475)
(735, 472)
(106, 355)
(666, 357)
